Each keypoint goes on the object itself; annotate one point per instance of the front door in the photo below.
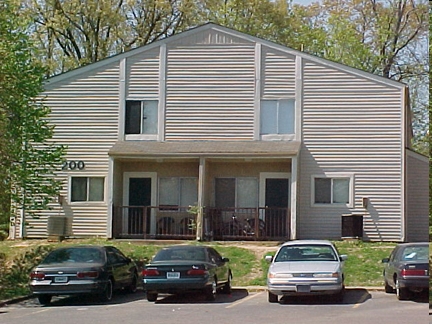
(139, 193)
(275, 198)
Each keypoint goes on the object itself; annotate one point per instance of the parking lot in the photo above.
(359, 306)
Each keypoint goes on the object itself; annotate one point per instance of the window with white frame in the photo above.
(332, 190)
(178, 192)
(87, 189)
(141, 117)
(277, 117)
(236, 192)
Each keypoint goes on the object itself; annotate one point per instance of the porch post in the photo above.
(200, 215)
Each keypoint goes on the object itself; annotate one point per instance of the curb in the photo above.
(248, 288)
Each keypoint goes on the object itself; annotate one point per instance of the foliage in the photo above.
(15, 275)
(27, 154)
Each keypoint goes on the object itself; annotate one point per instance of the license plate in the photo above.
(303, 288)
(60, 279)
(173, 275)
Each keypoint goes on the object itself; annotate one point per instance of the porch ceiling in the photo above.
(204, 148)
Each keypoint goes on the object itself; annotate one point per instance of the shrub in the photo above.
(14, 275)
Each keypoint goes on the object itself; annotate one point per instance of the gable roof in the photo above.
(228, 31)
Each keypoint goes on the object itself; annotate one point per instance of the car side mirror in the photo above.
(385, 260)
(343, 257)
(268, 258)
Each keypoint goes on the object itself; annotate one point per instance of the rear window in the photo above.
(306, 253)
(73, 255)
(180, 254)
(412, 253)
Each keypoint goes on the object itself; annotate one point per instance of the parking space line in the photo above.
(361, 300)
(243, 300)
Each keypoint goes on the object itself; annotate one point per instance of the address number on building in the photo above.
(73, 165)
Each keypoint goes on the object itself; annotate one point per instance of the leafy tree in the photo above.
(28, 157)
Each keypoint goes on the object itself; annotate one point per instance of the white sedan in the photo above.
(306, 267)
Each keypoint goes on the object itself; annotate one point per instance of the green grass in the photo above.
(363, 267)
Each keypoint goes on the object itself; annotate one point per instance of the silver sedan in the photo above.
(306, 267)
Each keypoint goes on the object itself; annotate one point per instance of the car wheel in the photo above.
(44, 299)
(210, 291)
(272, 298)
(401, 293)
(227, 287)
(387, 288)
(132, 288)
(152, 296)
(107, 293)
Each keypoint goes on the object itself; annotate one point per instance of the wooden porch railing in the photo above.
(172, 222)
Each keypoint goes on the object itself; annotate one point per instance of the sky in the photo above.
(304, 2)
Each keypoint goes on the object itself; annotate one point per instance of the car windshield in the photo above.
(306, 253)
(180, 254)
(411, 253)
(74, 255)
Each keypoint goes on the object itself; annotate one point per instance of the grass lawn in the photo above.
(363, 267)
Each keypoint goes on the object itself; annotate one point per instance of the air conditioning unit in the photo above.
(58, 226)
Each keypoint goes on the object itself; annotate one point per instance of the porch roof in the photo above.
(205, 148)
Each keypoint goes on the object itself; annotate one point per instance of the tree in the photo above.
(28, 157)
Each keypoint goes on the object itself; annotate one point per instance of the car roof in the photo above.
(307, 242)
(413, 244)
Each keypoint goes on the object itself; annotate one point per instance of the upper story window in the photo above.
(332, 190)
(141, 117)
(87, 189)
(277, 118)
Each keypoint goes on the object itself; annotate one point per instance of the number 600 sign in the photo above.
(73, 165)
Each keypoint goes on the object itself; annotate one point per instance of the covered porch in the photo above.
(203, 190)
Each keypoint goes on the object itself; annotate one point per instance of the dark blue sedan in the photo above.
(74, 270)
(406, 271)
(182, 268)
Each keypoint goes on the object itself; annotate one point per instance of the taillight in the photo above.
(37, 275)
(413, 272)
(197, 272)
(150, 273)
(87, 275)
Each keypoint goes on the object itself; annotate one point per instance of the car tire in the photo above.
(152, 296)
(272, 298)
(387, 288)
(401, 293)
(107, 293)
(44, 299)
(211, 290)
(132, 288)
(227, 287)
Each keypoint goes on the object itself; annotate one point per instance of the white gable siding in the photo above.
(143, 75)
(278, 74)
(352, 125)
(210, 92)
(417, 207)
(85, 112)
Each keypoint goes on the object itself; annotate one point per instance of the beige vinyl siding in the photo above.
(352, 125)
(278, 74)
(85, 112)
(417, 207)
(143, 75)
(210, 93)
